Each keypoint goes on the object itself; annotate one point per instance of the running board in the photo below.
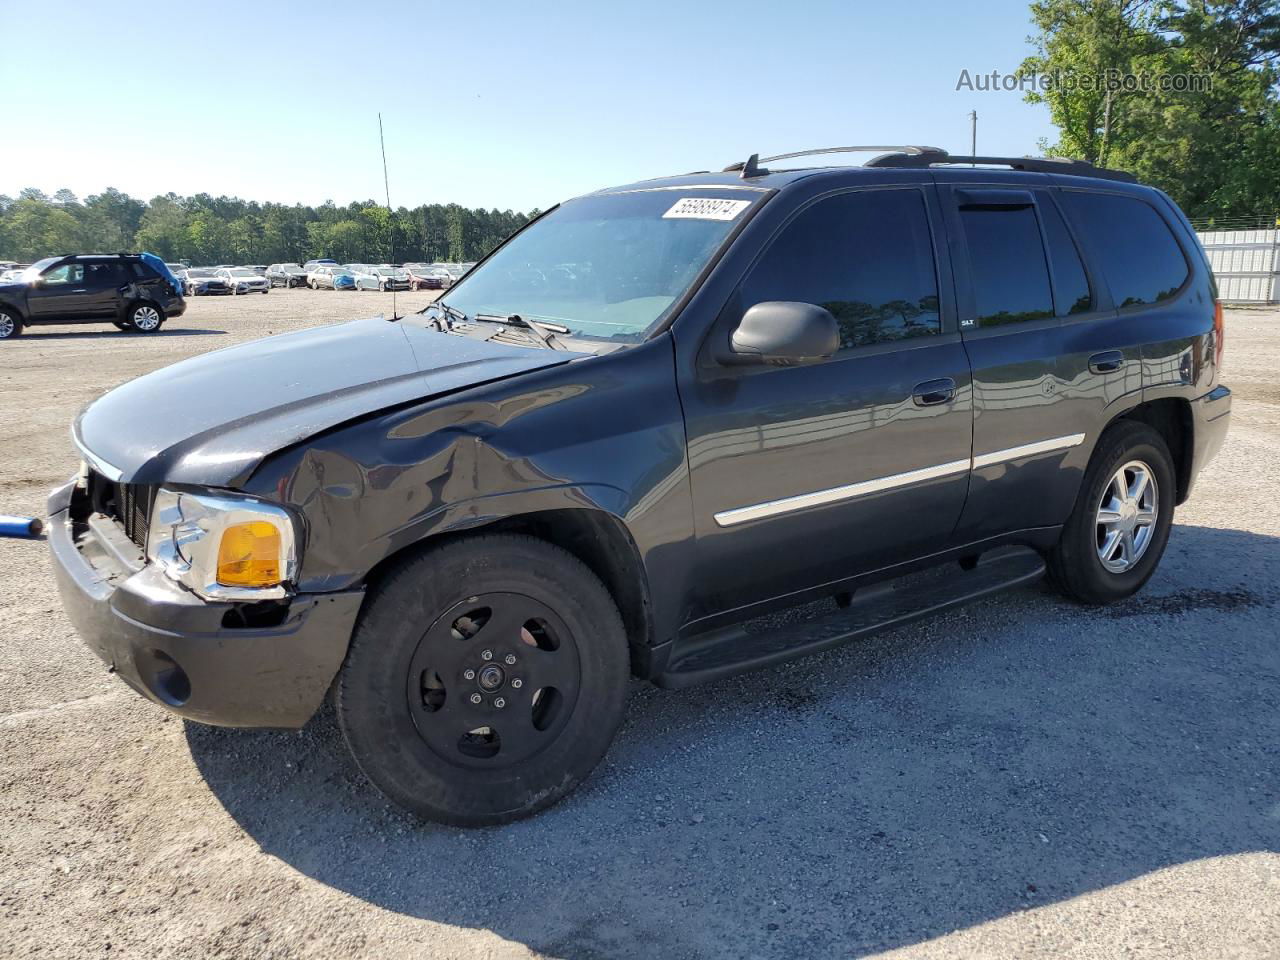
(737, 649)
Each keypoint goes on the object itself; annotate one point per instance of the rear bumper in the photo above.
(1211, 417)
(174, 649)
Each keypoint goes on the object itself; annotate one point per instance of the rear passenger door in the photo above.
(1032, 322)
(103, 281)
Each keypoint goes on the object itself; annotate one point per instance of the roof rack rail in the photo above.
(1076, 168)
(751, 166)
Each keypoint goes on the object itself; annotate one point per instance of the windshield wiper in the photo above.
(452, 314)
(546, 332)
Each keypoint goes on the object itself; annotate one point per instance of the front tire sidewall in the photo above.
(10, 325)
(370, 694)
(1074, 564)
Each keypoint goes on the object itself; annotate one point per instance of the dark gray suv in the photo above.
(134, 292)
(656, 414)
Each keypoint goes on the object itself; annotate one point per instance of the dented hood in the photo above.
(212, 419)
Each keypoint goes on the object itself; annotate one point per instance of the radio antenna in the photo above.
(391, 240)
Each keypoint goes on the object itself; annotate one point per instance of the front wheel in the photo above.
(1114, 539)
(10, 325)
(145, 318)
(485, 679)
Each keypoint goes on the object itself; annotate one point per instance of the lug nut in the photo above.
(499, 703)
(517, 683)
(486, 655)
(476, 698)
(468, 674)
(509, 659)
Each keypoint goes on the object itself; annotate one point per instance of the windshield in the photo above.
(607, 266)
(198, 272)
(242, 273)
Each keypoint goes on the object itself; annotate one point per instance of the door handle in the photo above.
(1108, 362)
(933, 392)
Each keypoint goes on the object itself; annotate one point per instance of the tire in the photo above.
(10, 324)
(266, 291)
(144, 317)
(1076, 563)
(404, 700)
(121, 325)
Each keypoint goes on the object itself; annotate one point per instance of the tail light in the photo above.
(1218, 334)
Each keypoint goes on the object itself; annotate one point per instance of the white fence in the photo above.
(1246, 264)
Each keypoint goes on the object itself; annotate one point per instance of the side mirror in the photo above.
(785, 333)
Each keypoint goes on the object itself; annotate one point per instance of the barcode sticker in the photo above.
(705, 208)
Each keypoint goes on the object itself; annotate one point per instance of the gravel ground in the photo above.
(1023, 778)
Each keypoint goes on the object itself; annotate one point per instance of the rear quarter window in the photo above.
(1140, 258)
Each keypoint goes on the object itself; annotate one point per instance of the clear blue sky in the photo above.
(495, 104)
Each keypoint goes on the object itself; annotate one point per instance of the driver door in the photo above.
(806, 475)
(59, 294)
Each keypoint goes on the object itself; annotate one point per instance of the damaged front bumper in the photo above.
(213, 662)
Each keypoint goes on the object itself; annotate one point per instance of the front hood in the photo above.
(212, 419)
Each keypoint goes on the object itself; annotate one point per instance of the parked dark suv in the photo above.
(132, 291)
(654, 415)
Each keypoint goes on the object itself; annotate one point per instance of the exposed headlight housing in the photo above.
(223, 547)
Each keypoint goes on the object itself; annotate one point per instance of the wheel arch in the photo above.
(1171, 418)
(136, 300)
(16, 308)
(595, 537)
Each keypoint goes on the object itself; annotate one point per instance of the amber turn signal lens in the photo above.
(249, 555)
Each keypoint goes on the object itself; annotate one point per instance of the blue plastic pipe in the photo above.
(20, 526)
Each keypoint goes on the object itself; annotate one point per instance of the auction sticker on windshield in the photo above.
(705, 208)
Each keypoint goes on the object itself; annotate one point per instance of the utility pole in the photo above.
(973, 134)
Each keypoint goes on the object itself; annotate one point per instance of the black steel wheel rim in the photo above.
(493, 681)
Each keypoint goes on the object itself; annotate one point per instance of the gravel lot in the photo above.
(1024, 778)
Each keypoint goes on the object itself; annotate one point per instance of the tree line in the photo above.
(206, 230)
(1213, 147)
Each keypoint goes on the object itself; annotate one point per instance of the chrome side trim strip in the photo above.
(1028, 450)
(107, 470)
(771, 508)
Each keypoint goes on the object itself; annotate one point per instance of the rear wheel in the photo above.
(10, 324)
(145, 318)
(485, 680)
(1116, 535)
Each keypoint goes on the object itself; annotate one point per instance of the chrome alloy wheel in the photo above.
(1126, 519)
(145, 319)
(7, 326)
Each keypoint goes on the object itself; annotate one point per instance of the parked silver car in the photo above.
(244, 280)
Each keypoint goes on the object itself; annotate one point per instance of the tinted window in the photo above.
(1142, 261)
(1070, 286)
(1006, 260)
(100, 273)
(866, 257)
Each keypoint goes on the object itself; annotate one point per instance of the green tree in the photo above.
(1210, 139)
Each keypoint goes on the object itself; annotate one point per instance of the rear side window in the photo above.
(865, 256)
(1070, 285)
(1006, 261)
(1142, 261)
(104, 273)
